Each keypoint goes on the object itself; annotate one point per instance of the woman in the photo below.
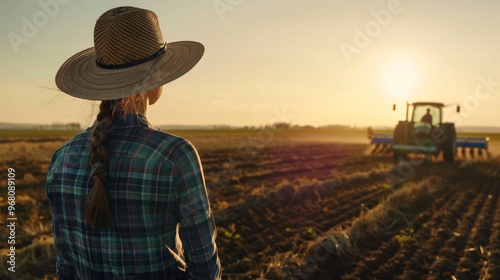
(122, 192)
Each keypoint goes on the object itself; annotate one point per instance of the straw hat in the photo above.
(129, 57)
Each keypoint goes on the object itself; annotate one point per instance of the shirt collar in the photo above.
(129, 120)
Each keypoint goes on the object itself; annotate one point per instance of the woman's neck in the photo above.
(137, 105)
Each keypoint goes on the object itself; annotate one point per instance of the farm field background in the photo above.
(302, 204)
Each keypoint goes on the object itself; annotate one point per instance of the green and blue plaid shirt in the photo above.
(155, 183)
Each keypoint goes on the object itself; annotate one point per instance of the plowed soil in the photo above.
(273, 203)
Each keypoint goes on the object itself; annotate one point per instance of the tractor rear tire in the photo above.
(448, 146)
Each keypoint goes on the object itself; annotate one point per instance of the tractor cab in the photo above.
(426, 116)
(421, 110)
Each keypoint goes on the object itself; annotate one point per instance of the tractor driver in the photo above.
(427, 118)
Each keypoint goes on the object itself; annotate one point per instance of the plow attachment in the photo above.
(473, 144)
(383, 143)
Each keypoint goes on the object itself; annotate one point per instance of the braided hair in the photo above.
(96, 207)
(97, 212)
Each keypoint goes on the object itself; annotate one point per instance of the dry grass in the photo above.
(28, 150)
(39, 254)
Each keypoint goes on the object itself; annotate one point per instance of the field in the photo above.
(303, 205)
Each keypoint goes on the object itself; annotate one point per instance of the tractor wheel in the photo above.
(398, 138)
(448, 146)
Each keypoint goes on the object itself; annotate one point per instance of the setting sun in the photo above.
(400, 79)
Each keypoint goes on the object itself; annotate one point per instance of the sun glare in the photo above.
(400, 79)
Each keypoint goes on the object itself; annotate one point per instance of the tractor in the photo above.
(425, 133)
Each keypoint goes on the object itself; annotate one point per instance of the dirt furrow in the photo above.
(278, 228)
(442, 230)
(389, 259)
(474, 254)
(490, 268)
(448, 255)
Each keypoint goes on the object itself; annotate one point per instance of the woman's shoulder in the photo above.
(74, 145)
(79, 139)
(169, 143)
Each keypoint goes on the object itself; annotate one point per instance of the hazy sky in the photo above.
(305, 62)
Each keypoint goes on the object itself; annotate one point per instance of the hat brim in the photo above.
(80, 77)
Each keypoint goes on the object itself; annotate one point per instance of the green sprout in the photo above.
(231, 232)
(404, 236)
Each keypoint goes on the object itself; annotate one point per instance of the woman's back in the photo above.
(155, 182)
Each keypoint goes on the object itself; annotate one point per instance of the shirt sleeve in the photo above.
(64, 267)
(197, 225)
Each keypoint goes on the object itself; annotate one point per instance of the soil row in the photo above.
(454, 239)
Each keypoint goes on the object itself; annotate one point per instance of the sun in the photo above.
(400, 77)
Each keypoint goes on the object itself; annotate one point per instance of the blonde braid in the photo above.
(97, 206)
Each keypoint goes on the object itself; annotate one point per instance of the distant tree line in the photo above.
(59, 126)
(275, 126)
(278, 126)
(284, 126)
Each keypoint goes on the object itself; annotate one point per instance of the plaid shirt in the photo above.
(155, 184)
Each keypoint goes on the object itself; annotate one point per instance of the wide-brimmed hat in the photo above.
(129, 56)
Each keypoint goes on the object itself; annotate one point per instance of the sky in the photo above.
(316, 62)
